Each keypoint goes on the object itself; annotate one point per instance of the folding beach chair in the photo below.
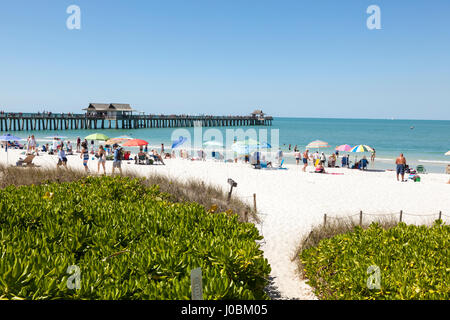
(420, 169)
(28, 161)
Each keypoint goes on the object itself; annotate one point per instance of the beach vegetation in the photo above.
(407, 261)
(125, 239)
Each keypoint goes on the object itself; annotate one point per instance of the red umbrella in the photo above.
(135, 143)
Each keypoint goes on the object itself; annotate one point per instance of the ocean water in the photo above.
(422, 141)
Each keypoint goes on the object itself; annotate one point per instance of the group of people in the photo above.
(319, 160)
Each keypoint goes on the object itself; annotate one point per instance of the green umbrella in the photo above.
(97, 136)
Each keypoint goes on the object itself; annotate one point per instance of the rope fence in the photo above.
(401, 214)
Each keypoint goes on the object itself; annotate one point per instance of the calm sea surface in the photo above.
(422, 141)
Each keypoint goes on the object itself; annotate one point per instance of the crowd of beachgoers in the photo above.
(92, 151)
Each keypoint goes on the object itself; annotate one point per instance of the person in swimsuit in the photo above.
(305, 159)
(297, 156)
(85, 156)
(101, 159)
(78, 144)
(401, 163)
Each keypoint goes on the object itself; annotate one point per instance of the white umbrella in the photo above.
(447, 153)
(8, 137)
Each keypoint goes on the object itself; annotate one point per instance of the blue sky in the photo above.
(290, 58)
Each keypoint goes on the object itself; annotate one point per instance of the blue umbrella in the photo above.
(178, 142)
(8, 137)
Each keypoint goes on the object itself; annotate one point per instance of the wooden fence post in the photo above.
(254, 201)
(440, 215)
(360, 218)
(401, 215)
(324, 219)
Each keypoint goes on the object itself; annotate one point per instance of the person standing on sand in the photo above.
(117, 163)
(101, 159)
(85, 156)
(78, 145)
(33, 144)
(372, 156)
(401, 163)
(280, 156)
(305, 159)
(62, 159)
(297, 156)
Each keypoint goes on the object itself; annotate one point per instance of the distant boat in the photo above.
(412, 127)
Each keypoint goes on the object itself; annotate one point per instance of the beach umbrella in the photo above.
(447, 153)
(118, 140)
(344, 147)
(8, 137)
(135, 143)
(317, 144)
(177, 143)
(361, 148)
(97, 136)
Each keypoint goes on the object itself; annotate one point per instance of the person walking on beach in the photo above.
(101, 159)
(401, 163)
(78, 145)
(62, 159)
(117, 163)
(315, 157)
(323, 159)
(372, 156)
(305, 159)
(85, 156)
(280, 156)
(344, 161)
(297, 156)
(32, 144)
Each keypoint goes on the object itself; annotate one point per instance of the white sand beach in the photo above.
(291, 201)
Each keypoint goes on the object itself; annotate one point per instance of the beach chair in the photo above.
(28, 161)
(142, 159)
(420, 169)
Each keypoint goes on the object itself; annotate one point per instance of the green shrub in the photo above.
(414, 263)
(129, 241)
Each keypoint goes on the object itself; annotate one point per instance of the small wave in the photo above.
(384, 159)
(435, 161)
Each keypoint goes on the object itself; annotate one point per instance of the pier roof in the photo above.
(109, 107)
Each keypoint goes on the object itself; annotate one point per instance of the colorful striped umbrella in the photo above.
(361, 148)
(317, 144)
(344, 147)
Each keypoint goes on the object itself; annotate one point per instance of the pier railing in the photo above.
(68, 121)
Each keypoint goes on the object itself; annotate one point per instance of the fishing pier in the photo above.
(115, 116)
